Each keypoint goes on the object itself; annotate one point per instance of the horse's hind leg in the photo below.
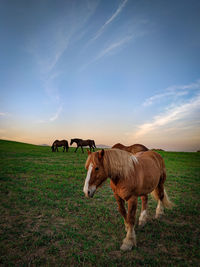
(143, 214)
(160, 195)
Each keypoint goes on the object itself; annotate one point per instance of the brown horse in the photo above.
(131, 176)
(81, 143)
(61, 143)
(132, 149)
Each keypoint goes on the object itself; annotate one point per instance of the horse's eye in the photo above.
(96, 169)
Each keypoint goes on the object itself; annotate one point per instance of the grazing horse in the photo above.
(130, 176)
(58, 143)
(81, 143)
(133, 149)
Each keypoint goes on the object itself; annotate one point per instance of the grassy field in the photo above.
(46, 220)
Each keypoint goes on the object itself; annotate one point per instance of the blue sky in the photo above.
(115, 71)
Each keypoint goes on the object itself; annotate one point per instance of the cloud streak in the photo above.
(56, 115)
(109, 50)
(113, 47)
(117, 12)
(172, 115)
(173, 91)
(53, 118)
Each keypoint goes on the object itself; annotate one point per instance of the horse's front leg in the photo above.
(82, 149)
(130, 239)
(76, 149)
(121, 208)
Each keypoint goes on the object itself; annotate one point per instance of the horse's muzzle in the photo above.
(90, 192)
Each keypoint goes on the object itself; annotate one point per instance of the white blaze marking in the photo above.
(86, 185)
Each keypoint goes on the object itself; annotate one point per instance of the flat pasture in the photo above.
(45, 219)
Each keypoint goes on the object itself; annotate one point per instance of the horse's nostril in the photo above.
(88, 192)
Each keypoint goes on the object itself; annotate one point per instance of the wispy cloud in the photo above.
(52, 118)
(3, 114)
(117, 12)
(176, 114)
(60, 49)
(56, 115)
(173, 91)
(109, 50)
(113, 47)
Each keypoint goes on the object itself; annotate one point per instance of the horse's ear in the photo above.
(101, 154)
(89, 152)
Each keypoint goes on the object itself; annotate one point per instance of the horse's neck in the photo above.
(118, 171)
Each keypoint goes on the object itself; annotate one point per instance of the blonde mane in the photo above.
(119, 162)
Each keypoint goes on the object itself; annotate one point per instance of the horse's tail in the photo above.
(159, 192)
(165, 201)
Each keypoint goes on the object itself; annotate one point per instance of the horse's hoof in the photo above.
(127, 244)
(158, 215)
(126, 247)
(142, 223)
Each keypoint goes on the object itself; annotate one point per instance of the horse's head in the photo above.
(96, 174)
(72, 141)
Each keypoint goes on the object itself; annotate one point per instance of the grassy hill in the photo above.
(46, 220)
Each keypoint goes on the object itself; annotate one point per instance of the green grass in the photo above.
(45, 220)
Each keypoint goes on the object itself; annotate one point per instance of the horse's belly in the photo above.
(149, 184)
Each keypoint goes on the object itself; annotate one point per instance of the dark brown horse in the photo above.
(62, 143)
(132, 149)
(81, 143)
(130, 176)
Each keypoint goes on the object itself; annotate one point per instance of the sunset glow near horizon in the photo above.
(114, 71)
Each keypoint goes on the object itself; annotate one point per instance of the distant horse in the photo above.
(62, 143)
(133, 149)
(130, 176)
(81, 143)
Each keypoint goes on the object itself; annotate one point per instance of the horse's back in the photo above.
(64, 141)
(60, 143)
(137, 148)
(132, 149)
(150, 159)
(150, 170)
(119, 146)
